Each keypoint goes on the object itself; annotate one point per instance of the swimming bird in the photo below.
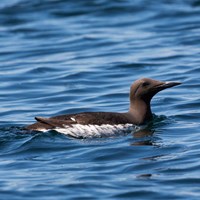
(98, 124)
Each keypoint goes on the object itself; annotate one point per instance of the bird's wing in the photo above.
(63, 121)
(97, 118)
(55, 122)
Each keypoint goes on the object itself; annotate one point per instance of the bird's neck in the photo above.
(140, 111)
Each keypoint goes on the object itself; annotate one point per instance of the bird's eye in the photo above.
(145, 84)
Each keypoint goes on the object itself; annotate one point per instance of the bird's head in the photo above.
(145, 88)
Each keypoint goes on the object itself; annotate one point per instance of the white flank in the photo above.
(90, 131)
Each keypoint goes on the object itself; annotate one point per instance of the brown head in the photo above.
(141, 93)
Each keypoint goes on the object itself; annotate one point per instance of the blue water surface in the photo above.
(59, 57)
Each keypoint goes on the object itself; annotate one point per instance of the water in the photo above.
(60, 57)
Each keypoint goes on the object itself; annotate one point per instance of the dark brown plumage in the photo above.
(141, 93)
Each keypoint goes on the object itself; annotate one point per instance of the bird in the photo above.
(100, 124)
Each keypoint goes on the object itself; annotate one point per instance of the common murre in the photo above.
(99, 124)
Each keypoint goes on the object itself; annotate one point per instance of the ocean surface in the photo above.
(59, 57)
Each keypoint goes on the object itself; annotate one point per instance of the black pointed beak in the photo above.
(165, 85)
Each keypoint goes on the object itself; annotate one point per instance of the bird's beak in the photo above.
(164, 85)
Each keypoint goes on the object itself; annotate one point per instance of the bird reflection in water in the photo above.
(145, 135)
